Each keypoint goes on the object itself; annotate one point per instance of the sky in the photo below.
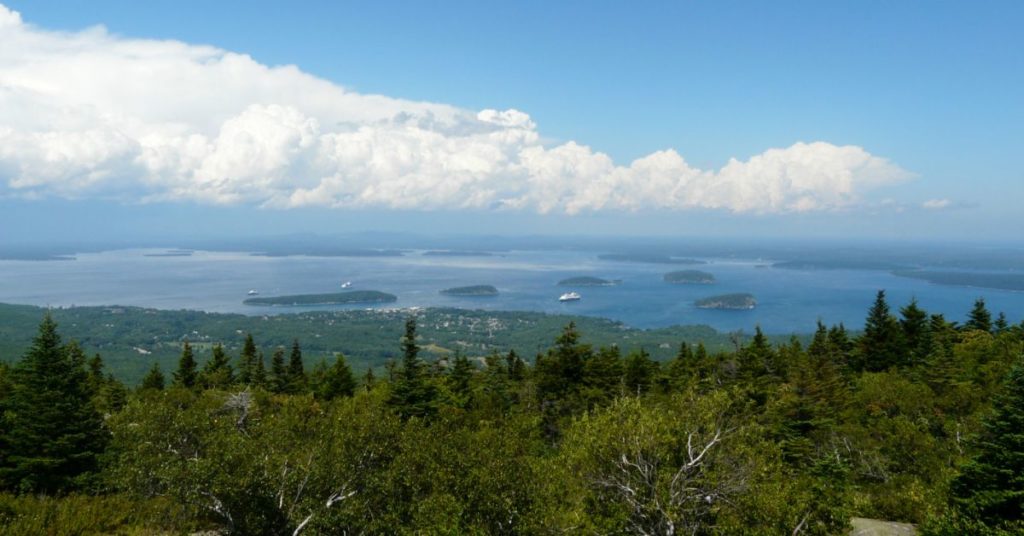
(797, 119)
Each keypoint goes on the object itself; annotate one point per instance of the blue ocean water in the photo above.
(788, 300)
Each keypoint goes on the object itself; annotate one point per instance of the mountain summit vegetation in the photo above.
(916, 420)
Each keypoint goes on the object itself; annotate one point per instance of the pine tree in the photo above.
(96, 379)
(296, 371)
(52, 432)
(602, 375)
(516, 366)
(278, 381)
(460, 376)
(979, 318)
(217, 372)
(990, 488)
(412, 394)
(881, 346)
(247, 361)
(1001, 325)
(369, 379)
(186, 374)
(916, 332)
(339, 381)
(639, 372)
(154, 379)
(259, 373)
(682, 369)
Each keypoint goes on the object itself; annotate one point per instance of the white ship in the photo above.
(346, 284)
(253, 292)
(569, 296)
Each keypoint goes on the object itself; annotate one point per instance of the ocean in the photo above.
(789, 301)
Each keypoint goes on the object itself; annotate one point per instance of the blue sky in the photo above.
(932, 88)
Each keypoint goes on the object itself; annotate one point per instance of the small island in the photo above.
(588, 281)
(1000, 281)
(337, 298)
(457, 253)
(472, 290)
(647, 258)
(729, 302)
(689, 277)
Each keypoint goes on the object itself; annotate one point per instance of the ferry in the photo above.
(569, 296)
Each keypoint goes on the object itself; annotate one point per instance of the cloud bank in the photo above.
(95, 115)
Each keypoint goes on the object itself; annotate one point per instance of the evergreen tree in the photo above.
(217, 372)
(186, 375)
(114, 395)
(516, 366)
(881, 346)
(820, 346)
(979, 318)
(336, 381)
(259, 373)
(460, 376)
(990, 488)
(52, 432)
(682, 369)
(1001, 325)
(412, 395)
(278, 372)
(296, 370)
(639, 372)
(96, 379)
(247, 361)
(916, 332)
(602, 375)
(369, 379)
(154, 379)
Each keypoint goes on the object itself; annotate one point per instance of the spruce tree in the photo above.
(278, 381)
(217, 372)
(412, 394)
(990, 488)
(979, 318)
(639, 372)
(1001, 325)
(259, 373)
(52, 432)
(916, 332)
(682, 368)
(516, 366)
(297, 381)
(881, 346)
(369, 379)
(460, 376)
(154, 379)
(338, 382)
(247, 361)
(186, 375)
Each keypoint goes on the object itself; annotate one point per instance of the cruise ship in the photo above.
(253, 292)
(569, 296)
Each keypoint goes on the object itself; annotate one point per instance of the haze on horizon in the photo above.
(728, 120)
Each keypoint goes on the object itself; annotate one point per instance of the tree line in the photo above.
(916, 419)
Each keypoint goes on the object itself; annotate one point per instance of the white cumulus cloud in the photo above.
(90, 114)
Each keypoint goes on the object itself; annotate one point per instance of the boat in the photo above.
(346, 284)
(253, 292)
(569, 296)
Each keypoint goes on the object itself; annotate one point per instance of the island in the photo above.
(456, 253)
(171, 253)
(838, 264)
(472, 290)
(337, 298)
(689, 277)
(729, 302)
(588, 281)
(1000, 281)
(647, 258)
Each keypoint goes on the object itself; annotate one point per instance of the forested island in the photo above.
(588, 281)
(472, 290)
(914, 420)
(334, 298)
(1001, 281)
(648, 258)
(838, 264)
(689, 277)
(737, 302)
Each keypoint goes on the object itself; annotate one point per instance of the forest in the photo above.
(916, 418)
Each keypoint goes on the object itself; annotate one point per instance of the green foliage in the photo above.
(413, 394)
(155, 378)
(882, 345)
(52, 433)
(980, 318)
(217, 372)
(186, 375)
